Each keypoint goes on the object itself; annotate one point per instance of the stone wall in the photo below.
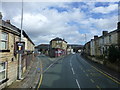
(11, 59)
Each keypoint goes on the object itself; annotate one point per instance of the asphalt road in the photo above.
(74, 72)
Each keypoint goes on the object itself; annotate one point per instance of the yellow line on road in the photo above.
(41, 76)
(106, 75)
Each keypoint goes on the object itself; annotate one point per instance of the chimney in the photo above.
(0, 15)
(91, 39)
(95, 37)
(105, 33)
(118, 25)
(8, 21)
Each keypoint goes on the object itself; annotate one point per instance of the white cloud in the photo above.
(105, 23)
(43, 24)
(51, 22)
(105, 10)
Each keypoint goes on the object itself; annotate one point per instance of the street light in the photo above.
(20, 54)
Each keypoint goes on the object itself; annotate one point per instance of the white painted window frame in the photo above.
(6, 41)
(3, 71)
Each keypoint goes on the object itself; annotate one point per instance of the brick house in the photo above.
(9, 35)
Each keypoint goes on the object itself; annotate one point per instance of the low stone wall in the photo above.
(95, 60)
(112, 66)
(26, 60)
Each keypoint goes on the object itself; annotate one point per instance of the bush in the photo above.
(113, 54)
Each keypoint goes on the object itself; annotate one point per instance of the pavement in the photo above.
(31, 78)
(73, 71)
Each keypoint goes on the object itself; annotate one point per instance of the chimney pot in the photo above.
(8, 21)
(0, 15)
(95, 37)
(118, 25)
(105, 33)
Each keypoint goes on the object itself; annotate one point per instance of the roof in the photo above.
(75, 45)
(110, 33)
(58, 39)
(43, 46)
(16, 29)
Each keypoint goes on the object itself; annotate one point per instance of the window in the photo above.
(2, 71)
(4, 40)
(56, 41)
(60, 41)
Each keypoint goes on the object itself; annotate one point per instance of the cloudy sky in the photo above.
(44, 21)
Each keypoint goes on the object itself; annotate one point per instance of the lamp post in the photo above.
(20, 54)
(85, 38)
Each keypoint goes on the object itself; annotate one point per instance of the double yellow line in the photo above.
(41, 76)
(106, 75)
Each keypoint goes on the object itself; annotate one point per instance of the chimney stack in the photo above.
(8, 21)
(95, 37)
(118, 25)
(105, 33)
(0, 15)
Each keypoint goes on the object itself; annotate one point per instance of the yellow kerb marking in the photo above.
(41, 78)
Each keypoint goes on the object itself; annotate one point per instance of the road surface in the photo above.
(73, 71)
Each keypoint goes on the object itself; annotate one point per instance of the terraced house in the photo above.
(9, 35)
(99, 46)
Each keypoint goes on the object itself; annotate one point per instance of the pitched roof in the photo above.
(9, 25)
(58, 39)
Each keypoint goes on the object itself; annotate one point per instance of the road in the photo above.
(74, 72)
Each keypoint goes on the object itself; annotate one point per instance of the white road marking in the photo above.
(71, 61)
(78, 84)
(73, 71)
(50, 65)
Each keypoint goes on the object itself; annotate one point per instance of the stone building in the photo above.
(87, 48)
(43, 48)
(69, 50)
(92, 47)
(58, 47)
(9, 35)
(100, 45)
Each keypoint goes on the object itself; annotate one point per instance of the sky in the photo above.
(72, 21)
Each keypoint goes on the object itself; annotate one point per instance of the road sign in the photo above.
(20, 47)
